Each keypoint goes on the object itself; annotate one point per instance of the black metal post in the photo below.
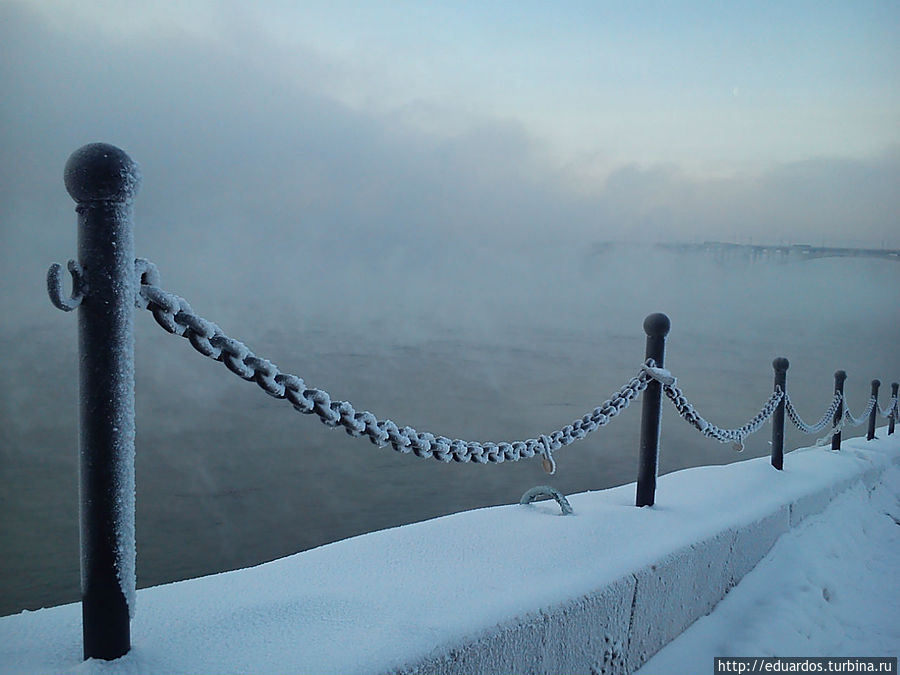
(781, 366)
(893, 416)
(870, 434)
(103, 180)
(839, 378)
(656, 326)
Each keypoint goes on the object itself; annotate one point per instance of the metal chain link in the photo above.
(847, 419)
(175, 315)
(826, 418)
(863, 418)
(890, 410)
(835, 430)
(734, 436)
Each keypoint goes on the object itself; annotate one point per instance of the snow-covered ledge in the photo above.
(503, 589)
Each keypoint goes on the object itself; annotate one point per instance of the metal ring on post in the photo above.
(54, 286)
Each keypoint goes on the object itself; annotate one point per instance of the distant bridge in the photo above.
(785, 253)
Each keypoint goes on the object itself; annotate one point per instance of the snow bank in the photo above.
(825, 589)
(510, 588)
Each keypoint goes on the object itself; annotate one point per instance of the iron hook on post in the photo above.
(55, 284)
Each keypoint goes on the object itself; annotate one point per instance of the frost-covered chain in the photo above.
(735, 436)
(863, 418)
(847, 419)
(826, 418)
(835, 430)
(890, 410)
(175, 315)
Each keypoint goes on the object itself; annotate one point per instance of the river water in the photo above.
(513, 347)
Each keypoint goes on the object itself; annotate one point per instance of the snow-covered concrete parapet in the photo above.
(617, 628)
(592, 629)
(516, 588)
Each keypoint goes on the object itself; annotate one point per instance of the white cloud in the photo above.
(240, 132)
(633, 88)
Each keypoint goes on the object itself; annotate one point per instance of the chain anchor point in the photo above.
(55, 283)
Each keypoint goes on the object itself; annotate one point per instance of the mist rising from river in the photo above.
(486, 344)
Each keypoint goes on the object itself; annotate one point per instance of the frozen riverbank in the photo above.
(472, 589)
(825, 589)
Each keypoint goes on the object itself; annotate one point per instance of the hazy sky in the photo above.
(763, 120)
(707, 85)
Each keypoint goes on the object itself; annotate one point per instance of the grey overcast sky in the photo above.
(770, 121)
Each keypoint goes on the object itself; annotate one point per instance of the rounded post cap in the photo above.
(840, 375)
(781, 364)
(101, 172)
(876, 383)
(657, 325)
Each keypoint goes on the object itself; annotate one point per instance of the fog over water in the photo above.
(523, 344)
(451, 281)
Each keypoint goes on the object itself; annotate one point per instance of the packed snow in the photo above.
(827, 588)
(389, 599)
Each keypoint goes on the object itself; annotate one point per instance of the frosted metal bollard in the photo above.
(870, 432)
(781, 366)
(839, 377)
(656, 326)
(103, 180)
(893, 416)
